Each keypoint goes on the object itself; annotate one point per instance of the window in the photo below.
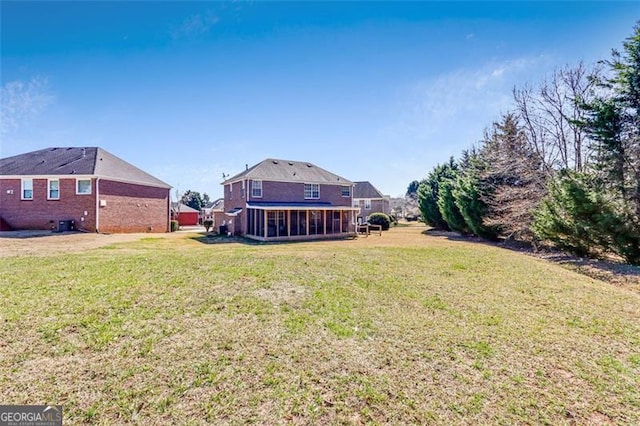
(256, 188)
(27, 189)
(54, 189)
(83, 186)
(346, 191)
(311, 191)
(367, 204)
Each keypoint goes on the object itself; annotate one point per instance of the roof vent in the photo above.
(291, 163)
(309, 165)
(275, 161)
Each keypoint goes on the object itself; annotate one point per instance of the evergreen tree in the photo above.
(511, 179)
(428, 193)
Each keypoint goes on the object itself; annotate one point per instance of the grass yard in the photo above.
(404, 329)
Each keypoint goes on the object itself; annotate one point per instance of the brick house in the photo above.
(214, 211)
(83, 188)
(288, 200)
(369, 200)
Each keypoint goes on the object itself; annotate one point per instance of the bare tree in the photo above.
(551, 113)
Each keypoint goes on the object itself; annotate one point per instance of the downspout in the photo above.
(97, 204)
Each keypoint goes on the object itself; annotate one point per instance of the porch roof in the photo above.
(298, 206)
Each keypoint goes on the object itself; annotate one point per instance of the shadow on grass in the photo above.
(212, 238)
(23, 235)
(610, 270)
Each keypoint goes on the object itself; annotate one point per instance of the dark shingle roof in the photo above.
(76, 161)
(366, 190)
(289, 171)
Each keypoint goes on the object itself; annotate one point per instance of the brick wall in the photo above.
(133, 208)
(129, 207)
(377, 206)
(41, 213)
(293, 192)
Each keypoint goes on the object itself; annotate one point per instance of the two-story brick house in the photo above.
(279, 200)
(369, 200)
(89, 187)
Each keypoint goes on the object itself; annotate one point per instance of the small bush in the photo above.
(393, 219)
(380, 219)
(208, 224)
(174, 226)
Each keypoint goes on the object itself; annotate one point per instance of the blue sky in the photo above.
(378, 91)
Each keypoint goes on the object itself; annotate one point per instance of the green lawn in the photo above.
(403, 328)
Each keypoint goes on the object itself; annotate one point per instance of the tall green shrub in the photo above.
(380, 219)
(448, 208)
(578, 217)
(428, 194)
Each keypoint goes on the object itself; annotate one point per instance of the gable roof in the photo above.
(366, 190)
(183, 208)
(289, 171)
(76, 161)
(215, 205)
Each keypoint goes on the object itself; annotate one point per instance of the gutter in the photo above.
(97, 204)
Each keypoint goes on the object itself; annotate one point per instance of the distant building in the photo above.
(185, 215)
(80, 188)
(369, 200)
(214, 210)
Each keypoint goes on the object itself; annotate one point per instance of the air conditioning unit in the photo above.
(66, 225)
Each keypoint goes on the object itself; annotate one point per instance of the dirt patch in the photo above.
(44, 243)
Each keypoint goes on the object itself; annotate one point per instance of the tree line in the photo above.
(563, 167)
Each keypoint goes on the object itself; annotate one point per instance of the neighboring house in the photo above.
(185, 215)
(369, 200)
(214, 211)
(288, 200)
(80, 188)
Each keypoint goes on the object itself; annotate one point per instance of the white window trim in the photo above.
(253, 188)
(22, 189)
(348, 189)
(311, 197)
(78, 187)
(49, 189)
(367, 204)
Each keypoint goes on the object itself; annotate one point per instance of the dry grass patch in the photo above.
(403, 328)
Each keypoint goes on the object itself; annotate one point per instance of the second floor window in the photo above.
(346, 191)
(27, 189)
(367, 204)
(54, 189)
(83, 186)
(256, 188)
(311, 191)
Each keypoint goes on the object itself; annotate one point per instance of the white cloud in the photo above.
(21, 101)
(195, 25)
(442, 115)
(454, 100)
